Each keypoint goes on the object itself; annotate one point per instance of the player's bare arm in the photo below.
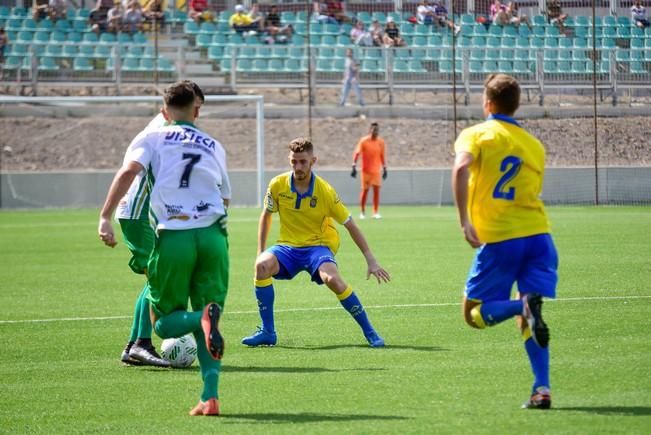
(264, 226)
(118, 189)
(373, 267)
(460, 175)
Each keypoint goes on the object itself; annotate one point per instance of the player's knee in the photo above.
(262, 269)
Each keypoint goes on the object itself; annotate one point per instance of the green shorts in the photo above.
(139, 238)
(188, 264)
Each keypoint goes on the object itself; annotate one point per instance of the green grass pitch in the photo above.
(62, 374)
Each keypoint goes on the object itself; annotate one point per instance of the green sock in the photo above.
(135, 325)
(144, 327)
(178, 323)
(210, 368)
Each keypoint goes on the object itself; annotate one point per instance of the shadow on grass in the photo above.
(388, 347)
(609, 410)
(304, 417)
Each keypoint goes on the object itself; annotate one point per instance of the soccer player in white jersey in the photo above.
(187, 204)
(133, 215)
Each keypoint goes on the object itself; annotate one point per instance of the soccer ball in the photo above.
(181, 352)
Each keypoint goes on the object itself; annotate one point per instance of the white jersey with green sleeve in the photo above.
(188, 173)
(134, 204)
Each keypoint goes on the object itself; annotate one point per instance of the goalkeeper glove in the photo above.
(353, 173)
(384, 173)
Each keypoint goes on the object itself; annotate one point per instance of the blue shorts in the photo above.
(294, 260)
(531, 261)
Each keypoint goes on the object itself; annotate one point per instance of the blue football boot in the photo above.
(260, 338)
(374, 340)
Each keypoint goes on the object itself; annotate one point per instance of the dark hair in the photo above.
(180, 95)
(197, 90)
(374, 124)
(504, 91)
(301, 144)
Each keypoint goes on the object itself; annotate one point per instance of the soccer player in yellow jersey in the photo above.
(308, 208)
(497, 179)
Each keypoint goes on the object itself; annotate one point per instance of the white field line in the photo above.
(294, 310)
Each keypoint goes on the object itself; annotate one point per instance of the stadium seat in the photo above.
(539, 21)
(140, 38)
(259, 65)
(130, 64)
(490, 66)
(103, 51)
(505, 66)
(24, 37)
(203, 40)
(288, 17)
(276, 66)
(549, 66)
(508, 43)
(537, 43)
(524, 31)
(46, 25)
(5, 13)
(476, 67)
(565, 55)
(608, 44)
(581, 43)
(477, 54)
(604, 67)
(207, 28)
(522, 54)
(551, 42)
(294, 66)
(371, 66)
(90, 38)
(47, 63)
(215, 52)
(191, 28)
(80, 26)
(41, 37)
(637, 68)
(57, 37)
(521, 67)
(364, 16)
(244, 65)
(637, 43)
(86, 51)
(54, 50)
(107, 38)
(419, 41)
(14, 25)
(623, 32)
(507, 55)
(18, 12)
(416, 66)
(582, 21)
(622, 55)
(73, 38)
(70, 50)
(566, 43)
(324, 65)
(29, 25)
(609, 21)
(82, 64)
(579, 55)
(433, 54)
(12, 63)
(539, 31)
(343, 40)
(235, 39)
(579, 67)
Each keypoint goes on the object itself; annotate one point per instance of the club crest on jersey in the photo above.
(313, 202)
(202, 206)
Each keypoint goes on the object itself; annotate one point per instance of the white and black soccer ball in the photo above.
(181, 352)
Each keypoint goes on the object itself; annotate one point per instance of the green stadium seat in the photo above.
(445, 67)
(82, 14)
(511, 31)
(80, 26)
(45, 25)
(215, 52)
(140, 38)
(331, 29)
(219, 39)
(29, 25)
(637, 43)
(401, 66)
(86, 50)
(14, 24)
(235, 39)
(407, 29)
(608, 44)
(566, 43)
(505, 66)
(259, 65)
(57, 37)
(565, 55)
(371, 66)
(17, 49)
(329, 40)
(538, 21)
(622, 55)
(123, 38)
(19, 12)
(609, 32)
(90, 38)
(579, 55)
(476, 67)
(579, 67)
(130, 64)
(432, 54)
(522, 54)
(467, 19)
(623, 32)
(623, 21)
(435, 41)
(301, 16)
(508, 43)
(490, 66)
(12, 63)
(521, 67)
(244, 65)
(54, 50)
(70, 51)
(107, 38)
(581, 32)
(297, 53)
(364, 16)
(609, 21)
(551, 43)
(419, 41)
(134, 51)
(41, 37)
(581, 43)
(191, 28)
(293, 65)
(563, 67)
(82, 64)
(324, 65)
(524, 31)
(477, 54)
(582, 21)
(203, 40)
(287, 17)
(5, 13)
(550, 66)
(479, 30)
(416, 66)
(47, 63)
(604, 66)
(276, 66)
(637, 68)
(73, 38)
(507, 54)
(343, 40)
(103, 51)
(207, 28)
(539, 32)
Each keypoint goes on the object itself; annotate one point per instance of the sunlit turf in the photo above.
(435, 376)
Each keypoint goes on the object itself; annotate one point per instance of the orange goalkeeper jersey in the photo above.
(372, 152)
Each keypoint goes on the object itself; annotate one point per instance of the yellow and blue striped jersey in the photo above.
(306, 219)
(506, 180)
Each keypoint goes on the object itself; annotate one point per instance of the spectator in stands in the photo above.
(257, 18)
(514, 15)
(40, 9)
(424, 13)
(98, 20)
(638, 15)
(351, 79)
(154, 11)
(275, 30)
(320, 15)
(58, 10)
(376, 32)
(240, 21)
(335, 9)
(199, 11)
(4, 42)
(391, 36)
(132, 18)
(114, 18)
(361, 36)
(442, 20)
(555, 14)
(498, 13)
